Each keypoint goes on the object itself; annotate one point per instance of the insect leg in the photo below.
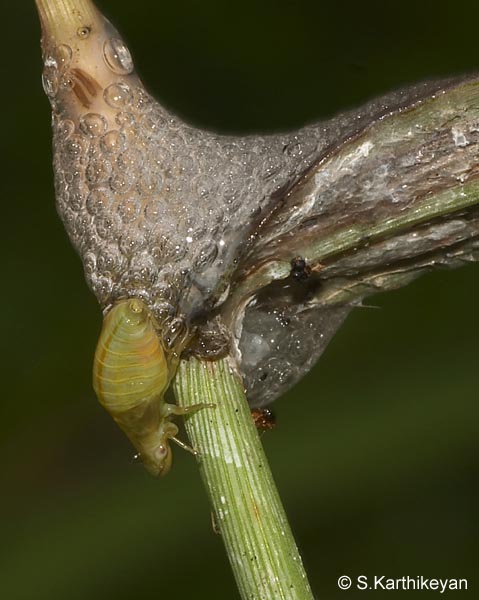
(169, 433)
(173, 409)
(184, 446)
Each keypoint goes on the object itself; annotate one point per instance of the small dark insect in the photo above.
(263, 418)
(300, 270)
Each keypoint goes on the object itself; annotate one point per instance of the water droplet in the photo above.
(203, 186)
(164, 311)
(89, 263)
(76, 147)
(128, 210)
(169, 249)
(107, 262)
(272, 165)
(152, 210)
(162, 291)
(97, 202)
(122, 182)
(113, 141)
(93, 124)
(130, 161)
(206, 257)
(64, 54)
(106, 228)
(293, 149)
(117, 56)
(67, 83)
(64, 129)
(117, 95)
(133, 281)
(175, 332)
(162, 157)
(102, 287)
(131, 244)
(297, 350)
(125, 120)
(50, 81)
(81, 225)
(51, 61)
(98, 171)
(143, 277)
(181, 250)
(150, 126)
(174, 279)
(68, 218)
(151, 183)
(75, 200)
(185, 165)
(142, 101)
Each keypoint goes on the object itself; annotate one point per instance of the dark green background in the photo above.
(376, 451)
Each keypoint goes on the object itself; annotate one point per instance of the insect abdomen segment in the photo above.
(130, 365)
(130, 376)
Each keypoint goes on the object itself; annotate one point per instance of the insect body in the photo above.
(131, 372)
(263, 418)
(300, 270)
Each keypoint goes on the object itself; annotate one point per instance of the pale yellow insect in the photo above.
(131, 372)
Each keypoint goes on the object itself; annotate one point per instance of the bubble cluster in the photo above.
(162, 211)
(187, 200)
(178, 217)
(281, 341)
(55, 74)
(50, 81)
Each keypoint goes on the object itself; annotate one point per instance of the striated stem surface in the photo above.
(60, 14)
(245, 502)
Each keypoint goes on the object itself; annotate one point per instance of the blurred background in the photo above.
(376, 450)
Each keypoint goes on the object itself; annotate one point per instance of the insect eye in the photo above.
(161, 452)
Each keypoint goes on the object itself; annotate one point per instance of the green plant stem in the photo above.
(245, 502)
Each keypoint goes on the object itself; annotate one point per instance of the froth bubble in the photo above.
(64, 54)
(117, 56)
(113, 141)
(50, 81)
(65, 129)
(93, 124)
(117, 95)
(97, 202)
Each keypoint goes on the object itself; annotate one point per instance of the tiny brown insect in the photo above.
(263, 418)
